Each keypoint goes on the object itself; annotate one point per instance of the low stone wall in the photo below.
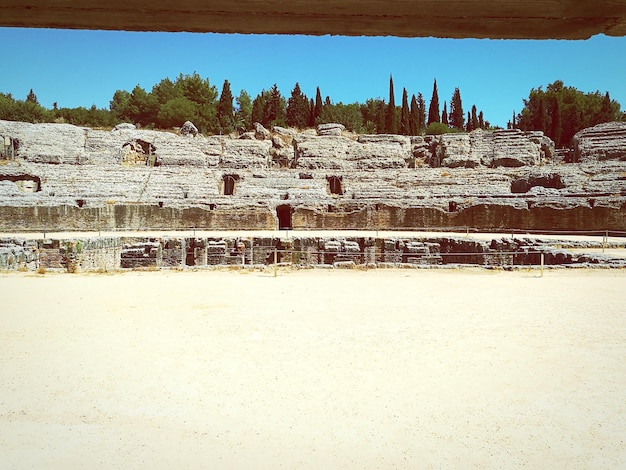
(102, 254)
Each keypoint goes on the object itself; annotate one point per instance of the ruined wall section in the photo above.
(64, 177)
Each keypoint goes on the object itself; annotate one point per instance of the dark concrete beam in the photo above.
(533, 19)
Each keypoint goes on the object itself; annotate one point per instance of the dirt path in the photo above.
(314, 369)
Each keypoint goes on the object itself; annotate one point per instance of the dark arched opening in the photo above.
(334, 185)
(284, 217)
(229, 185)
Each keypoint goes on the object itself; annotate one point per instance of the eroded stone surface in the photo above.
(66, 177)
(601, 142)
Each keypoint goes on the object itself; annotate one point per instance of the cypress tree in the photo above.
(311, 113)
(391, 119)
(225, 111)
(457, 116)
(475, 123)
(469, 127)
(405, 128)
(555, 113)
(481, 120)
(444, 115)
(433, 109)
(421, 113)
(318, 103)
(414, 119)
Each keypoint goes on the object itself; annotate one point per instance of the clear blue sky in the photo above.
(81, 68)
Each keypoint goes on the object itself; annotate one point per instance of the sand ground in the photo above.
(355, 369)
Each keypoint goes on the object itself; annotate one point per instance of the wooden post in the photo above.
(275, 261)
(542, 260)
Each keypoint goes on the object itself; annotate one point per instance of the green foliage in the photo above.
(561, 111)
(298, 113)
(142, 107)
(414, 118)
(318, 104)
(268, 108)
(421, 113)
(119, 105)
(437, 128)
(225, 111)
(26, 111)
(175, 112)
(391, 117)
(405, 128)
(457, 117)
(347, 114)
(475, 123)
(444, 115)
(433, 110)
(243, 115)
(373, 115)
(31, 97)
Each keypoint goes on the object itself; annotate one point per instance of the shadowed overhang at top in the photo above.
(531, 19)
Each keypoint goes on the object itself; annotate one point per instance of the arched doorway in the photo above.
(334, 185)
(229, 185)
(283, 213)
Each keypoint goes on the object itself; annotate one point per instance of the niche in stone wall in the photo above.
(523, 185)
(284, 212)
(229, 182)
(334, 185)
(8, 147)
(139, 152)
(25, 183)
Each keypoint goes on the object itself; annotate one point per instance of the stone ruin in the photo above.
(63, 177)
(197, 252)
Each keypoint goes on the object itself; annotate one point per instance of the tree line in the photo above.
(559, 111)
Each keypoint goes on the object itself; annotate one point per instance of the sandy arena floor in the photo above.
(384, 369)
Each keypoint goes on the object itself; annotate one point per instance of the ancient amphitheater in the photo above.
(62, 178)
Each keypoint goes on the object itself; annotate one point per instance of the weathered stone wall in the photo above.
(62, 177)
(601, 142)
(114, 253)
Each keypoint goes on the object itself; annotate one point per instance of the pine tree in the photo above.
(433, 109)
(297, 109)
(414, 119)
(405, 128)
(225, 111)
(457, 115)
(391, 118)
(421, 113)
(274, 113)
(32, 97)
(444, 115)
(243, 115)
(606, 112)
